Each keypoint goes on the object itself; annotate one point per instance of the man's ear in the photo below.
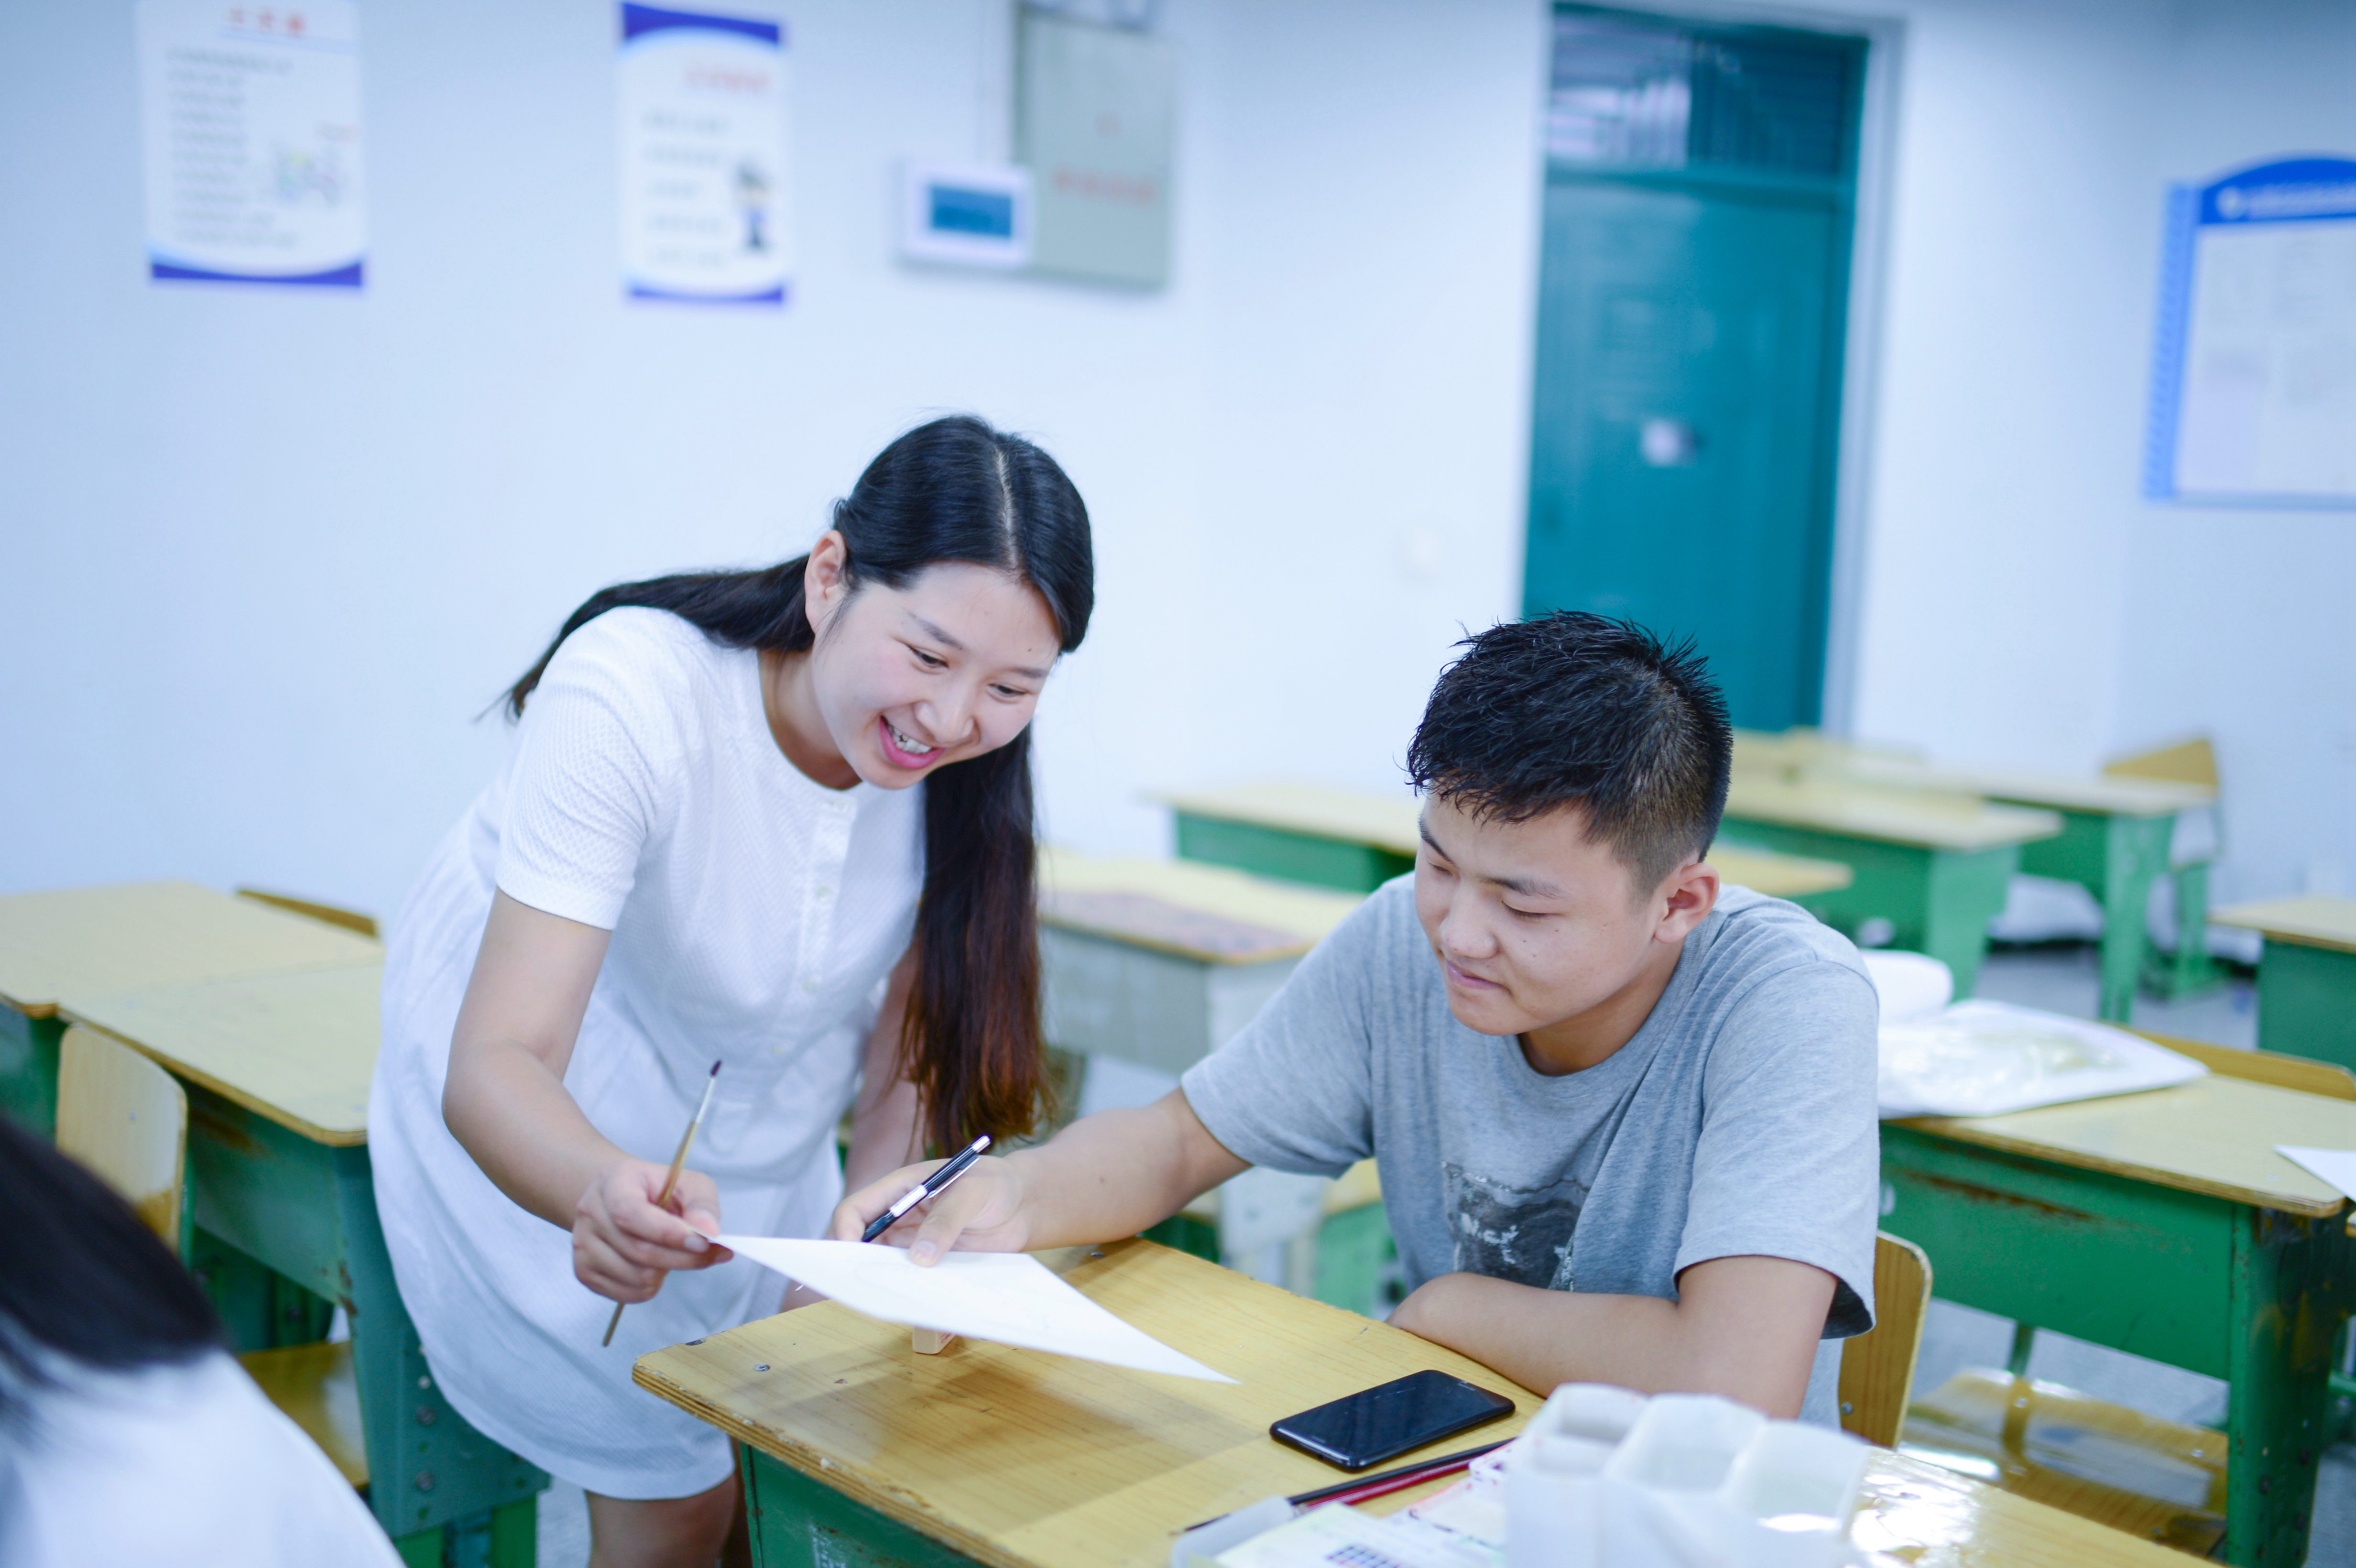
(1686, 900)
(826, 581)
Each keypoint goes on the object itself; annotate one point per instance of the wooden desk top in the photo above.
(1031, 1461)
(1385, 822)
(1924, 819)
(98, 940)
(2215, 1135)
(2313, 922)
(297, 1049)
(1020, 1458)
(1800, 756)
(1393, 825)
(1206, 912)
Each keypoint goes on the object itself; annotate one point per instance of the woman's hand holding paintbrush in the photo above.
(630, 1229)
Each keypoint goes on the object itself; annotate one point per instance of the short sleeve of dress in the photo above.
(603, 742)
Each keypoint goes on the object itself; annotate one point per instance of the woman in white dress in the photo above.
(720, 837)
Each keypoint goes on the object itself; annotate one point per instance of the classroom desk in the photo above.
(1163, 962)
(277, 1071)
(1934, 865)
(2307, 975)
(856, 1451)
(2161, 1223)
(95, 940)
(1334, 837)
(2113, 842)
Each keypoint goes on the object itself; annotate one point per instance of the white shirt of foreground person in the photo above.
(756, 916)
(187, 1463)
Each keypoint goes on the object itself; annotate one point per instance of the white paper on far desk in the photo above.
(2336, 1166)
(1008, 1299)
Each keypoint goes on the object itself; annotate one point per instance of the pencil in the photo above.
(1384, 1482)
(671, 1182)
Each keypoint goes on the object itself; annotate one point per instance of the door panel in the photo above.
(1681, 462)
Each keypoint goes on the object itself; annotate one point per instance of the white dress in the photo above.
(172, 1464)
(756, 916)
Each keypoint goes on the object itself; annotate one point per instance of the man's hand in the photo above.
(982, 1211)
(623, 1244)
(1746, 1327)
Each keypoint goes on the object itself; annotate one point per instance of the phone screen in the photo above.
(1385, 1422)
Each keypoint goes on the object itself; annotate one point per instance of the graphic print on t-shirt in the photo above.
(1521, 1234)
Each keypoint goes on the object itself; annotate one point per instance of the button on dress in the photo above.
(755, 918)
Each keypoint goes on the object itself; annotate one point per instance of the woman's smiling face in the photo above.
(910, 679)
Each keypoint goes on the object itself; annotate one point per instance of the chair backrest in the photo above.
(2193, 762)
(349, 919)
(1877, 1370)
(127, 1120)
(2303, 1073)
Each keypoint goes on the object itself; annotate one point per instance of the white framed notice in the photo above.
(251, 134)
(703, 157)
(2254, 373)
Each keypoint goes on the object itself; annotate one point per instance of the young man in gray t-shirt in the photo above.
(1625, 1122)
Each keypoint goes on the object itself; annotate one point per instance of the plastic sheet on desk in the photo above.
(1984, 1059)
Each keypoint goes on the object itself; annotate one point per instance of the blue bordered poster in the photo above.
(252, 123)
(703, 105)
(2253, 378)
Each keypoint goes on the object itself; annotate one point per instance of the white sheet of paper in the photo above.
(2336, 1166)
(1008, 1299)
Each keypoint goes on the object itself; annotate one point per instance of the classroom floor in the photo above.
(2063, 978)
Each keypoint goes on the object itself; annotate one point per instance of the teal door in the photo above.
(1688, 396)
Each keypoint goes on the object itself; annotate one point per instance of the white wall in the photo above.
(266, 554)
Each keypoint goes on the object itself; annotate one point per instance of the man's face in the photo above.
(1534, 922)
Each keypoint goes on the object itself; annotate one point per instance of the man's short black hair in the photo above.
(1572, 709)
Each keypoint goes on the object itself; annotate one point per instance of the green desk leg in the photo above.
(1939, 901)
(2306, 1001)
(797, 1523)
(307, 1211)
(29, 1070)
(1289, 856)
(2189, 970)
(2115, 859)
(2244, 1294)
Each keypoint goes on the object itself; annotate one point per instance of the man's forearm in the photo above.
(1543, 1338)
(1117, 1172)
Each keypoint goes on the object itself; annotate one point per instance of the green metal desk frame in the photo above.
(1290, 857)
(2306, 1001)
(2115, 859)
(2249, 1294)
(306, 1213)
(1939, 901)
(795, 1522)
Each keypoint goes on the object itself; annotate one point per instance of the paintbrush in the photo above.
(671, 1182)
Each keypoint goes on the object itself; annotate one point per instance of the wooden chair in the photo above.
(349, 919)
(127, 1120)
(1876, 1369)
(2193, 762)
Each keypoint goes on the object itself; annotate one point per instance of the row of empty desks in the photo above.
(270, 1022)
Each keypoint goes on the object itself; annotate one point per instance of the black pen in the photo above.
(931, 1187)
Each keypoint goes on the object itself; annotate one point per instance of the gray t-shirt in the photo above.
(1739, 1120)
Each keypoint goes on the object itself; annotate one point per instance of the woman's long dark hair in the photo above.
(81, 1278)
(954, 490)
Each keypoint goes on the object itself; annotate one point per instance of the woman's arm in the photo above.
(506, 1103)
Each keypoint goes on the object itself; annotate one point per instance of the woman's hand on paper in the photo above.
(982, 1212)
(623, 1242)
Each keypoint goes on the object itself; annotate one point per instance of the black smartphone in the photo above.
(1384, 1422)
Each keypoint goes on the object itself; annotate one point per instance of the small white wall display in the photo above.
(966, 215)
(1096, 123)
(2254, 375)
(251, 138)
(704, 170)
